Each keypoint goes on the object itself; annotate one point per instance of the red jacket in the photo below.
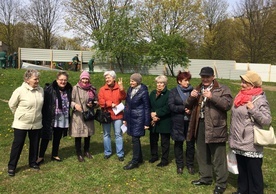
(107, 96)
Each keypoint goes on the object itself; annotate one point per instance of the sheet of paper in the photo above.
(124, 128)
(119, 108)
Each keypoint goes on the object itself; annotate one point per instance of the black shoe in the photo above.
(11, 172)
(88, 155)
(191, 170)
(56, 158)
(141, 162)
(198, 183)
(80, 158)
(180, 171)
(219, 190)
(35, 166)
(162, 164)
(107, 156)
(152, 160)
(39, 162)
(121, 159)
(130, 166)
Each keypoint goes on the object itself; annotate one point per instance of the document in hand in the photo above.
(119, 108)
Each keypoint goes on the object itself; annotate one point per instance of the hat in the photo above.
(207, 71)
(252, 78)
(84, 74)
(136, 77)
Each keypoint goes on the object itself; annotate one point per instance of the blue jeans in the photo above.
(118, 138)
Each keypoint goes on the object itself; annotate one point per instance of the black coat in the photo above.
(177, 108)
(49, 106)
(137, 111)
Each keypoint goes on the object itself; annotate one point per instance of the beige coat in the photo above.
(26, 105)
(79, 127)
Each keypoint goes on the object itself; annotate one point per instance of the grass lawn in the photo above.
(106, 176)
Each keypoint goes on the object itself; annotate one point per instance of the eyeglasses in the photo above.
(62, 80)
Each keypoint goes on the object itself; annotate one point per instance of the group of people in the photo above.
(195, 115)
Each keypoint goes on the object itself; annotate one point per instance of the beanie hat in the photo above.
(136, 77)
(252, 78)
(84, 74)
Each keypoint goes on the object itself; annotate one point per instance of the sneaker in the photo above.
(11, 172)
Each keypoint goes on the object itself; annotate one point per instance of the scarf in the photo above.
(89, 88)
(246, 95)
(184, 91)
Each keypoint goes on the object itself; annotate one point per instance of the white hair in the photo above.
(111, 73)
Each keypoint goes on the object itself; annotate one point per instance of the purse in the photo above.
(262, 136)
(103, 116)
(86, 115)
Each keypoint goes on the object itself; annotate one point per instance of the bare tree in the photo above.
(44, 15)
(9, 10)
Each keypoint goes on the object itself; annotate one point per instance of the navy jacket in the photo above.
(137, 111)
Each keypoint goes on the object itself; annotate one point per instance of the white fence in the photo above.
(225, 69)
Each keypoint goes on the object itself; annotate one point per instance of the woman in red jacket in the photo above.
(111, 95)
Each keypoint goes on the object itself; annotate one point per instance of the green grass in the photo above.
(98, 175)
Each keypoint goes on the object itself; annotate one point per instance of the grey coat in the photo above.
(79, 127)
(241, 128)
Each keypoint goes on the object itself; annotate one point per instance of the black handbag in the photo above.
(86, 115)
(103, 116)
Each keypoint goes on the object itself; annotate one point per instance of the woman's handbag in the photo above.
(86, 115)
(232, 162)
(262, 136)
(103, 116)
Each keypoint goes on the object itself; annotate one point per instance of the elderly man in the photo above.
(209, 104)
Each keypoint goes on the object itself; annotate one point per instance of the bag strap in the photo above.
(79, 99)
(257, 98)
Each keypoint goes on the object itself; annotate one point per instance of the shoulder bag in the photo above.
(103, 116)
(261, 136)
(87, 115)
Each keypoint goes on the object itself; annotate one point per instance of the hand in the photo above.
(153, 114)
(207, 94)
(78, 107)
(120, 83)
(146, 127)
(113, 105)
(194, 93)
(187, 111)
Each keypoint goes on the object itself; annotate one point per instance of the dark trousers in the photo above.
(165, 145)
(18, 143)
(137, 151)
(57, 135)
(250, 178)
(190, 153)
(211, 155)
(78, 145)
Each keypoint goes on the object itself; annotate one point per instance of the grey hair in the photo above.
(29, 73)
(62, 73)
(111, 73)
(162, 78)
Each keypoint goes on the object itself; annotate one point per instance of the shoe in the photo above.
(107, 156)
(35, 166)
(130, 166)
(121, 159)
(88, 155)
(198, 183)
(236, 192)
(80, 158)
(219, 190)
(39, 161)
(152, 160)
(180, 171)
(162, 164)
(141, 162)
(191, 170)
(11, 172)
(56, 158)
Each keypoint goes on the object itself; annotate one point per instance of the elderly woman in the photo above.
(26, 104)
(246, 114)
(161, 121)
(56, 113)
(84, 98)
(136, 117)
(180, 118)
(111, 95)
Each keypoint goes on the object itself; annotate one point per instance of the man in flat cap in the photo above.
(209, 103)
